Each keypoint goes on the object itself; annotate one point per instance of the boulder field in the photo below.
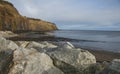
(30, 57)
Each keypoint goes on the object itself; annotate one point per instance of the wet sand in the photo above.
(104, 55)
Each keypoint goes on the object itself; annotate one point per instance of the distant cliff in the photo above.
(37, 24)
(10, 19)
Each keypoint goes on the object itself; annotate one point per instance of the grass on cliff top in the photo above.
(10, 19)
(5, 2)
(41, 25)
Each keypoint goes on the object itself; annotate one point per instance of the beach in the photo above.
(47, 53)
(101, 55)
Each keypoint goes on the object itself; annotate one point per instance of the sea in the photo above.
(92, 39)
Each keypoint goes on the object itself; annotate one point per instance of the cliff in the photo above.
(10, 19)
(37, 24)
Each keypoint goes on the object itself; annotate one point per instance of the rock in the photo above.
(115, 65)
(7, 34)
(17, 22)
(18, 60)
(71, 60)
(96, 68)
(41, 25)
(7, 48)
(30, 61)
(3, 43)
(6, 57)
(42, 46)
(6, 54)
(113, 68)
(24, 57)
(7, 44)
(68, 45)
(12, 45)
(23, 44)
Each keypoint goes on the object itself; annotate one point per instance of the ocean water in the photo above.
(91, 39)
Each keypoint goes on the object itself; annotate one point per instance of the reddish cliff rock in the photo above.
(37, 24)
(10, 19)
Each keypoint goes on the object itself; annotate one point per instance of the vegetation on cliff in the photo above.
(37, 24)
(10, 19)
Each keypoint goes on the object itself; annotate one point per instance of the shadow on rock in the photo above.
(65, 67)
(6, 61)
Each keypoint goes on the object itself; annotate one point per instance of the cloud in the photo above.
(96, 13)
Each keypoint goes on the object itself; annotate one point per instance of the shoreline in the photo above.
(100, 55)
(104, 55)
(49, 51)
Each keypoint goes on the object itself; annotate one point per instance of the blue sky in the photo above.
(74, 14)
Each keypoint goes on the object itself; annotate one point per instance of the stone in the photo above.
(112, 68)
(23, 44)
(7, 48)
(44, 44)
(71, 60)
(7, 34)
(41, 46)
(6, 57)
(68, 45)
(30, 61)
(115, 65)
(25, 57)
(7, 44)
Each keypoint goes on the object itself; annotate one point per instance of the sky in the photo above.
(74, 14)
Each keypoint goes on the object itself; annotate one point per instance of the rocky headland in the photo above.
(30, 57)
(12, 20)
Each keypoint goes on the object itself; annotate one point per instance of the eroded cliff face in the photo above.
(10, 19)
(37, 24)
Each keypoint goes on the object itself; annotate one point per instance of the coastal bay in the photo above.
(101, 55)
(30, 45)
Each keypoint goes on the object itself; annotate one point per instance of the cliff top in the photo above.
(10, 19)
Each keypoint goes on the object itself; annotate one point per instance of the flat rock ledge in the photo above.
(29, 57)
(7, 34)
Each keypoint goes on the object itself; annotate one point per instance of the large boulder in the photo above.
(33, 44)
(7, 44)
(44, 44)
(115, 65)
(6, 57)
(7, 34)
(44, 58)
(30, 61)
(113, 68)
(7, 48)
(40, 46)
(18, 60)
(65, 56)
(71, 60)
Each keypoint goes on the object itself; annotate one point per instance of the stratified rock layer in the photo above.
(10, 19)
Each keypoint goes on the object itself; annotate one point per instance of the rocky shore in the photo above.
(30, 57)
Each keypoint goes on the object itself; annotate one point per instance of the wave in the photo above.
(82, 40)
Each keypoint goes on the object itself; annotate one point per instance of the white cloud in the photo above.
(68, 11)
